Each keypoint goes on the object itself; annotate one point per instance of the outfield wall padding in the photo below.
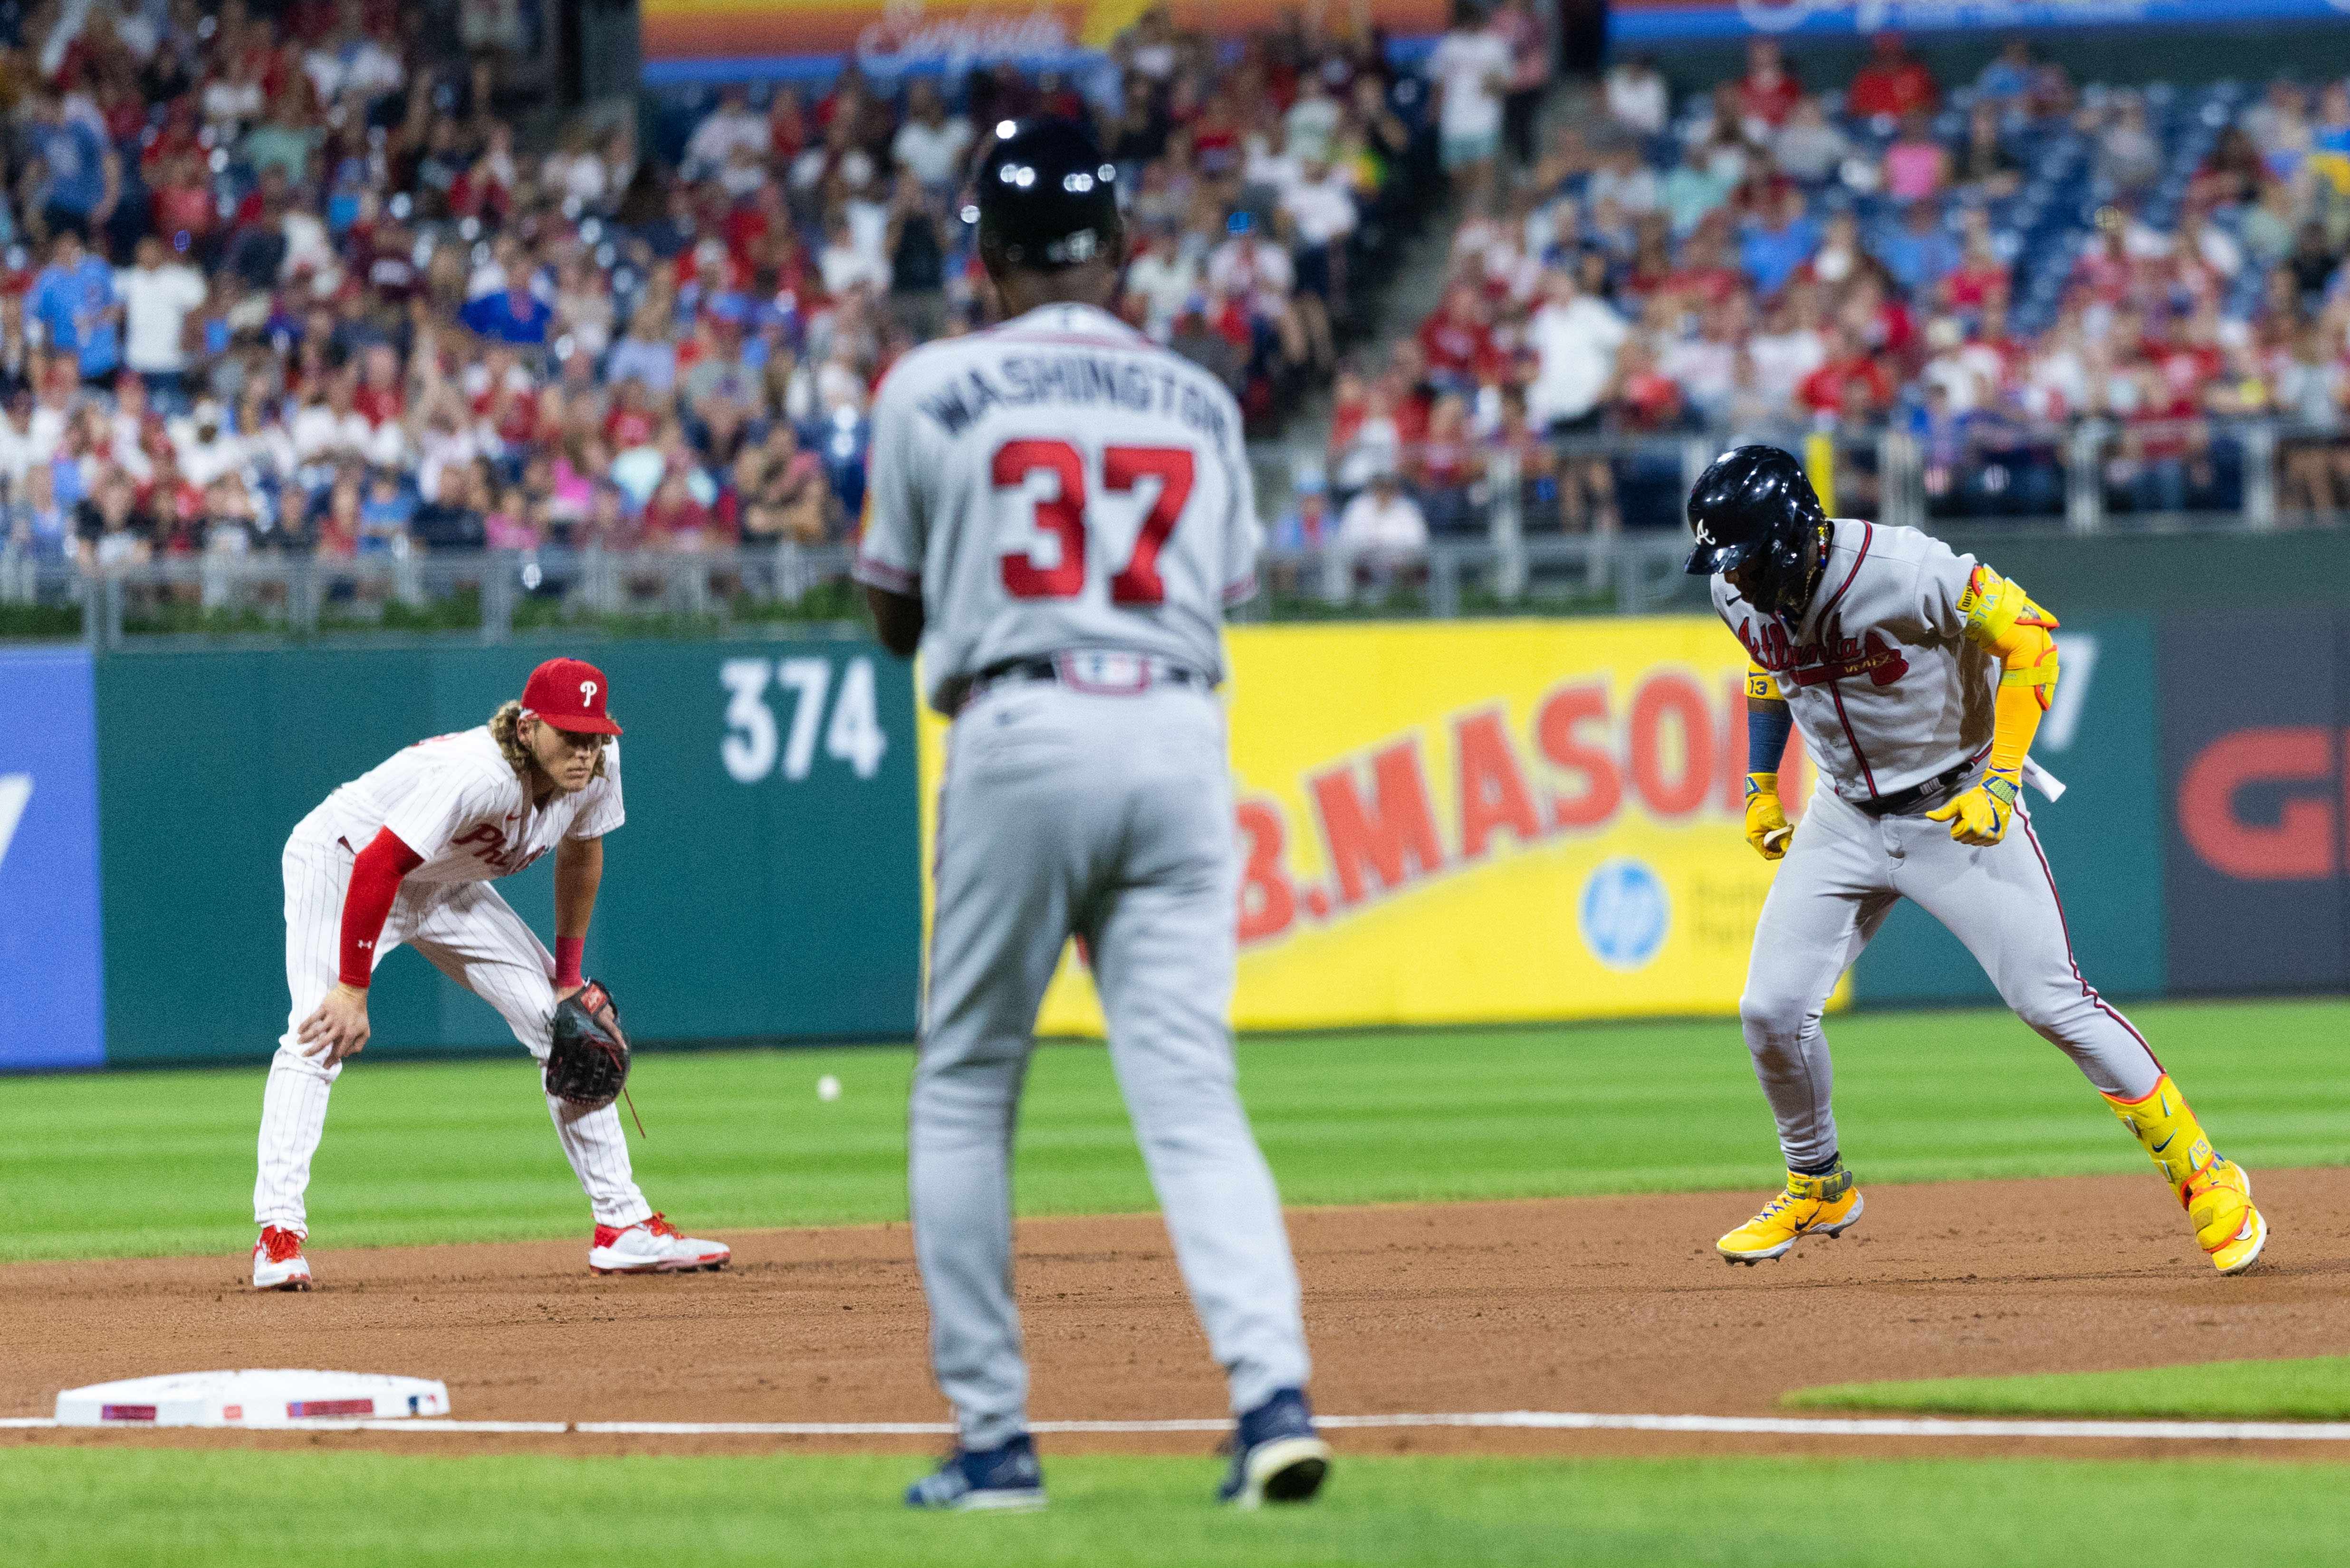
(765, 885)
(1442, 823)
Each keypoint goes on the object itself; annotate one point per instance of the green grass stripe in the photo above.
(417, 1152)
(91, 1507)
(2316, 1388)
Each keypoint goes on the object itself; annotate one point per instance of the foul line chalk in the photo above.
(1524, 1420)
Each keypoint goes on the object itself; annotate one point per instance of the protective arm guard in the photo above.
(2001, 619)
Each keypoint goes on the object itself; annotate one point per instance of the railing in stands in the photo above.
(1504, 538)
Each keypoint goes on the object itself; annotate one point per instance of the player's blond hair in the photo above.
(505, 728)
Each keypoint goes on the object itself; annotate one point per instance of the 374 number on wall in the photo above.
(756, 744)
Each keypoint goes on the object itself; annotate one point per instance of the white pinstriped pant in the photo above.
(469, 934)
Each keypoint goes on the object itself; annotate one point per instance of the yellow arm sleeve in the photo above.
(2001, 618)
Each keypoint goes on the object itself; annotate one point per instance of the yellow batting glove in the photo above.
(1980, 816)
(1766, 822)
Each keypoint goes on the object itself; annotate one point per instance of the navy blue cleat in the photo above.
(1005, 1478)
(1276, 1457)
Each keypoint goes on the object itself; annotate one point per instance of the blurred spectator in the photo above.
(2009, 74)
(1574, 339)
(158, 298)
(1768, 92)
(1472, 70)
(73, 302)
(1772, 245)
(1521, 31)
(1383, 529)
(2128, 157)
(1807, 147)
(932, 144)
(1892, 84)
(1916, 166)
(1636, 95)
(1695, 188)
(1305, 524)
(1983, 165)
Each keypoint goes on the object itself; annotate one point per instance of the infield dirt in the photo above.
(1595, 1304)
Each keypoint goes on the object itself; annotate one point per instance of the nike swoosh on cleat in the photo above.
(2166, 1143)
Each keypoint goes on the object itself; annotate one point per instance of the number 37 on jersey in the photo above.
(1049, 476)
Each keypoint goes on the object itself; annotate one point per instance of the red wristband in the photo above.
(568, 951)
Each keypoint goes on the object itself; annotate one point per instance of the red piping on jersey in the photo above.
(2062, 924)
(375, 883)
(1867, 773)
(1867, 537)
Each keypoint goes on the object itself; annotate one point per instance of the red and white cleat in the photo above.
(653, 1246)
(277, 1262)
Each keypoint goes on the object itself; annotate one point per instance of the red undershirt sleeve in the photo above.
(375, 882)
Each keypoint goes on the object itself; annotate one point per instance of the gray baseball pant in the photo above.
(1108, 818)
(1840, 879)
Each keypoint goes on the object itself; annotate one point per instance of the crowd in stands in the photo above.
(289, 281)
(1980, 265)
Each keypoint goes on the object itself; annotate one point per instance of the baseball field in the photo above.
(1487, 1222)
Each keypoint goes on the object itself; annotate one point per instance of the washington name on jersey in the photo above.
(457, 801)
(1877, 672)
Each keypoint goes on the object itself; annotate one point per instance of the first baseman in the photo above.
(1060, 511)
(405, 854)
(1917, 678)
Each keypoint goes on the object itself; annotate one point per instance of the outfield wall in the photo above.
(1440, 822)
(764, 886)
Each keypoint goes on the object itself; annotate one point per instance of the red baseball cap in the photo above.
(570, 695)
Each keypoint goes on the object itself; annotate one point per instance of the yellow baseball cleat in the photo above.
(1823, 1206)
(2219, 1200)
(2215, 1192)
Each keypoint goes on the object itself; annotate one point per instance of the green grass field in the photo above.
(145, 1506)
(158, 1163)
(144, 1164)
(2313, 1389)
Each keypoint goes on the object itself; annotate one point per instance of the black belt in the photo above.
(1100, 672)
(1901, 800)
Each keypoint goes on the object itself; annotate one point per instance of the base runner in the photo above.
(1917, 678)
(405, 854)
(1060, 511)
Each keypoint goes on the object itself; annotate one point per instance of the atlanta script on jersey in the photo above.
(1879, 672)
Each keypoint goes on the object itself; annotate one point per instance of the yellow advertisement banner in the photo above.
(1465, 822)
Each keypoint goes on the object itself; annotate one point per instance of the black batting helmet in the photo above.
(1755, 503)
(1047, 197)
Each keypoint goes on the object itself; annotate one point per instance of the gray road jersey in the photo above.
(1878, 674)
(1058, 482)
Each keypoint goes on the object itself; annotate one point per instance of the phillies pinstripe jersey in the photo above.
(456, 801)
(1058, 482)
(1877, 673)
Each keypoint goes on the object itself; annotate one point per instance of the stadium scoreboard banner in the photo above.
(1637, 23)
(687, 41)
(1483, 822)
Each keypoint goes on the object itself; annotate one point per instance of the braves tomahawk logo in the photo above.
(1834, 657)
